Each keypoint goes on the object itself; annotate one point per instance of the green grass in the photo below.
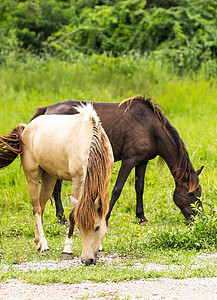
(190, 104)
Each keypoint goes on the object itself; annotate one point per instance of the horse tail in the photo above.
(94, 196)
(11, 146)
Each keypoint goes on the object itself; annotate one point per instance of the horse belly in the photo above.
(54, 162)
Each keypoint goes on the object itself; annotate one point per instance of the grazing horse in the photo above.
(138, 131)
(74, 148)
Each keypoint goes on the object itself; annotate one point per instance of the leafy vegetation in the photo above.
(167, 242)
(181, 32)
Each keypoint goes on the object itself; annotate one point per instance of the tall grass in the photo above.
(189, 103)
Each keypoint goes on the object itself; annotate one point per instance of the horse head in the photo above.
(185, 196)
(91, 235)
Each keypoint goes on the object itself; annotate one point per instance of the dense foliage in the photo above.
(183, 32)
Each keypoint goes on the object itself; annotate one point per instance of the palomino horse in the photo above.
(73, 148)
(138, 131)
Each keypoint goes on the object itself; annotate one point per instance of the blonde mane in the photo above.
(96, 181)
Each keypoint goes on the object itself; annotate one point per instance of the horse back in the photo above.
(55, 141)
(129, 129)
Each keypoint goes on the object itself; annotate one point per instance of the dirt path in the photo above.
(164, 288)
(188, 289)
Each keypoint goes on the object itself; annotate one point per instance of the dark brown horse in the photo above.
(138, 132)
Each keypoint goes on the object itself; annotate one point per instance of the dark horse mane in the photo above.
(184, 168)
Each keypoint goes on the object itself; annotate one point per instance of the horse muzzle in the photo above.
(90, 260)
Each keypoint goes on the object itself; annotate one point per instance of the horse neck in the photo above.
(175, 155)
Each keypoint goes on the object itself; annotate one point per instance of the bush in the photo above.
(183, 32)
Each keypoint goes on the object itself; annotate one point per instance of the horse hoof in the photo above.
(101, 248)
(67, 256)
(146, 222)
(63, 221)
(45, 250)
(42, 251)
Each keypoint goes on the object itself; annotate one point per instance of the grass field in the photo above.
(189, 103)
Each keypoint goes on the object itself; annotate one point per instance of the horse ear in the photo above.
(98, 204)
(73, 201)
(199, 171)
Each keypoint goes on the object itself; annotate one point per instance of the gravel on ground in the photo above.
(148, 289)
(188, 289)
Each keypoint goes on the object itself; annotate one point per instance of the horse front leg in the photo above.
(58, 202)
(139, 187)
(124, 172)
(67, 251)
(76, 185)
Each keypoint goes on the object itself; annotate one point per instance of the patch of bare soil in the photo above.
(166, 288)
(192, 289)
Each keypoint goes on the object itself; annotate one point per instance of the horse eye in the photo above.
(97, 228)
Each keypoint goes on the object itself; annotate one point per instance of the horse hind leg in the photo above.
(47, 186)
(58, 203)
(32, 172)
